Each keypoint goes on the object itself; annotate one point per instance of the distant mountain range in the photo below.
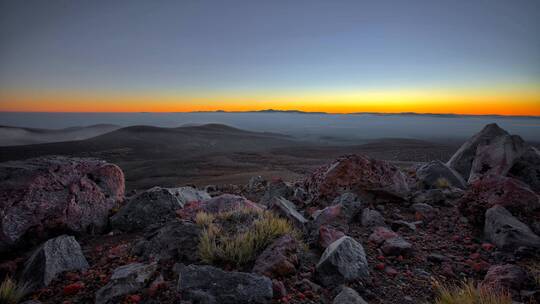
(12, 136)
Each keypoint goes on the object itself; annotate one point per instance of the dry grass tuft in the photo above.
(469, 293)
(442, 183)
(236, 238)
(11, 292)
(534, 270)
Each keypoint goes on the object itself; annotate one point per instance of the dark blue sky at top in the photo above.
(176, 46)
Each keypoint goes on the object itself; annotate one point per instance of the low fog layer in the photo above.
(317, 127)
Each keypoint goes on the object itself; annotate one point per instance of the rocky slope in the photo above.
(357, 230)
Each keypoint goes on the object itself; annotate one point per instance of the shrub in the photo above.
(534, 270)
(469, 293)
(442, 183)
(236, 238)
(11, 292)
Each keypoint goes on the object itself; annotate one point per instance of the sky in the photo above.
(426, 56)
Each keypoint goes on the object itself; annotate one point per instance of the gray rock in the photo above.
(506, 231)
(276, 189)
(343, 261)
(175, 240)
(372, 218)
(125, 280)
(256, 183)
(431, 197)
(462, 160)
(401, 223)
(348, 296)
(527, 168)
(55, 256)
(156, 205)
(496, 157)
(351, 204)
(396, 246)
(425, 210)
(436, 174)
(505, 277)
(210, 285)
(287, 209)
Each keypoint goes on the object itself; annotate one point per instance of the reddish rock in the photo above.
(279, 289)
(333, 216)
(381, 234)
(279, 259)
(42, 197)
(357, 174)
(505, 277)
(390, 242)
(328, 235)
(74, 288)
(228, 202)
(508, 192)
(488, 246)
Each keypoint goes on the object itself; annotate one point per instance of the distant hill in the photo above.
(13, 136)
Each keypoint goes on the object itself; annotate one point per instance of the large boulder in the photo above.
(462, 160)
(343, 261)
(507, 232)
(125, 280)
(46, 196)
(436, 175)
(279, 259)
(175, 240)
(499, 190)
(348, 296)
(156, 205)
(527, 168)
(505, 277)
(55, 256)
(357, 174)
(496, 157)
(210, 285)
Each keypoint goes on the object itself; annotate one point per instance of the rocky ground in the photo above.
(357, 230)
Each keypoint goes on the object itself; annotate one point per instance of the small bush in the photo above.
(11, 292)
(236, 238)
(468, 293)
(442, 183)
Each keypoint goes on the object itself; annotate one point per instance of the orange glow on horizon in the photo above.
(438, 102)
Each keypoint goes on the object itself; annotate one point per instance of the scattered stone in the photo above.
(332, 216)
(424, 211)
(207, 284)
(287, 209)
(348, 296)
(437, 258)
(437, 175)
(396, 225)
(125, 280)
(381, 234)
(328, 235)
(279, 259)
(256, 183)
(500, 277)
(175, 240)
(47, 196)
(390, 242)
(55, 256)
(343, 261)
(228, 202)
(430, 197)
(350, 203)
(277, 188)
(357, 174)
(372, 218)
(156, 205)
(506, 231)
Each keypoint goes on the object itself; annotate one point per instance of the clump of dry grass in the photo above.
(469, 293)
(534, 270)
(237, 237)
(12, 292)
(442, 183)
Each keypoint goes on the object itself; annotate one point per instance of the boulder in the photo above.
(277, 188)
(527, 168)
(228, 202)
(53, 257)
(348, 296)
(496, 157)
(508, 192)
(437, 175)
(343, 261)
(391, 243)
(175, 240)
(462, 160)
(279, 259)
(506, 231)
(125, 280)
(357, 174)
(351, 204)
(332, 216)
(505, 277)
(287, 209)
(207, 284)
(47, 196)
(372, 218)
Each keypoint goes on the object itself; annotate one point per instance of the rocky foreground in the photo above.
(358, 230)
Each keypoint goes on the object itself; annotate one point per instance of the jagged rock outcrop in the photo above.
(46, 196)
(343, 261)
(507, 232)
(348, 296)
(436, 175)
(527, 168)
(357, 174)
(55, 256)
(125, 280)
(156, 205)
(175, 240)
(207, 284)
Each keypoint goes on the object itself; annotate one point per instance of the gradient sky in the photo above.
(461, 56)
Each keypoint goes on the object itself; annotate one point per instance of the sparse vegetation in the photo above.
(534, 270)
(237, 237)
(12, 292)
(442, 183)
(469, 293)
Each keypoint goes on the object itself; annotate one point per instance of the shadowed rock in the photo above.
(527, 168)
(506, 231)
(348, 296)
(436, 174)
(125, 280)
(505, 277)
(55, 256)
(228, 202)
(287, 209)
(45, 196)
(372, 218)
(279, 259)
